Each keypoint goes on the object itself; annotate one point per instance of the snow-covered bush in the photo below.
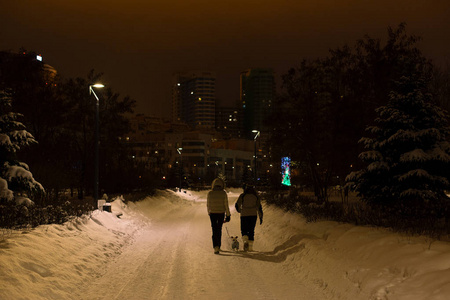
(362, 214)
(16, 181)
(23, 216)
(408, 153)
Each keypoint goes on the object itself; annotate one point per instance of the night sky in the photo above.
(139, 44)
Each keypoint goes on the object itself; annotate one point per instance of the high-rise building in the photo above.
(228, 122)
(194, 99)
(257, 93)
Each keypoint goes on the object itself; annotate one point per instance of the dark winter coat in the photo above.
(217, 199)
(248, 204)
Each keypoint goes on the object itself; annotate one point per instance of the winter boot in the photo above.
(245, 239)
(216, 250)
(250, 245)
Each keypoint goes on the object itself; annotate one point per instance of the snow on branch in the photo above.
(415, 193)
(377, 165)
(422, 174)
(439, 154)
(402, 135)
(429, 132)
(11, 119)
(5, 142)
(21, 200)
(373, 129)
(23, 137)
(371, 155)
(368, 142)
(353, 176)
(21, 173)
(417, 173)
(5, 192)
(417, 155)
(18, 171)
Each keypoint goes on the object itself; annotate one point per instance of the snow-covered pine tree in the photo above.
(16, 180)
(408, 161)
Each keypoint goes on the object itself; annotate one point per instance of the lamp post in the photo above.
(179, 150)
(257, 133)
(97, 138)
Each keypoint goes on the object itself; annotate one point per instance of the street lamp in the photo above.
(179, 150)
(97, 138)
(257, 133)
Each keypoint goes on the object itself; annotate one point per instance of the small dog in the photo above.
(235, 243)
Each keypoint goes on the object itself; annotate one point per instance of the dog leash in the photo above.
(226, 227)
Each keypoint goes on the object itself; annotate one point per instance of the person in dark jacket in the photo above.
(218, 211)
(249, 206)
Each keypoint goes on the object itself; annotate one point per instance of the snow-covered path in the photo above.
(172, 258)
(161, 248)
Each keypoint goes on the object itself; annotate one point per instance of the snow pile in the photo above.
(49, 261)
(337, 261)
(351, 262)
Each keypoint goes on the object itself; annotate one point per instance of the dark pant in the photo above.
(216, 224)
(248, 224)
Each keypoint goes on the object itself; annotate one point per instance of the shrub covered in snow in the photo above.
(360, 213)
(23, 216)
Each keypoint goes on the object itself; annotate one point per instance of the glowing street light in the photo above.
(97, 138)
(179, 150)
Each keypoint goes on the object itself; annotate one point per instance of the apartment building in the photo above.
(194, 99)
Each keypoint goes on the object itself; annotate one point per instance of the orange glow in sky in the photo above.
(139, 44)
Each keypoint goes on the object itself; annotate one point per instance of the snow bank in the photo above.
(49, 261)
(352, 262)
(341, 261)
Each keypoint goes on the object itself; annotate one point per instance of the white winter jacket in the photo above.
(217, 199)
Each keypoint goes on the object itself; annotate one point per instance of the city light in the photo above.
(97, 139)
(286, 171)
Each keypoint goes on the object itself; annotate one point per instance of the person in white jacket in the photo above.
(218, 211)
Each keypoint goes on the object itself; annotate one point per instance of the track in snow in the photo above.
(172, 258)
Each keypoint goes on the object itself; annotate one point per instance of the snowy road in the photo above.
(160, 248)
(172, 258)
